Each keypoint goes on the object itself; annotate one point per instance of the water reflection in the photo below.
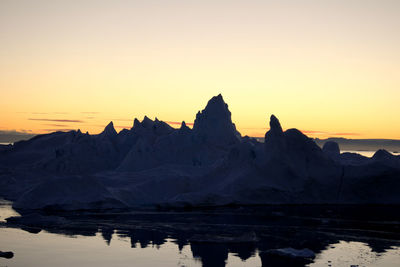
(221, 237)
(341, 253)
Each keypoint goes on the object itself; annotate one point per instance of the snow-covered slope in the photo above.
(154, 164)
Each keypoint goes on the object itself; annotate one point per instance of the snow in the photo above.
(153, 164)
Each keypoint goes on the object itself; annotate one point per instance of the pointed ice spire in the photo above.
(218, 99)
(147, 123)
(136, 123)
(161, 127)
(214, 123)
(109, 130)
(274, 139)
(274, 124)
(184, 128)
(216, 107)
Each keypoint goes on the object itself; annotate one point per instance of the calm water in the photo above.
(234, 236)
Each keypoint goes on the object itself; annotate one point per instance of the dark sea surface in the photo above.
(226, 236)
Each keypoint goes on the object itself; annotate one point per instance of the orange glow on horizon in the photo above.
(327, 68)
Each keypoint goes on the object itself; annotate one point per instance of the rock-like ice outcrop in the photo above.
(384, 157)
(153, 164)
(213, 125)
(274, 140)
(331, 148)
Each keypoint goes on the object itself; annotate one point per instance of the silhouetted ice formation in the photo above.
(332, 149)
(214, 126)
(153, 164)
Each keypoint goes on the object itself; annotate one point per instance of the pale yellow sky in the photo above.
(330, 68)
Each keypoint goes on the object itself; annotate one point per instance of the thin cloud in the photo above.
(346, 134)
(121, 120)
(328, 133)
(90, 112)
(57, 125)
(25, 131)
(97, 125)
(313, 132)
(56, 120)
(58, 130)
(254, 128)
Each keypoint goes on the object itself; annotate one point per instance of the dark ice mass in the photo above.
(154, 165)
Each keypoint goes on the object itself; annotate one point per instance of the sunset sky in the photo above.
(328, 68)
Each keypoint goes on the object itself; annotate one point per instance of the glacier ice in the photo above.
(153, 164)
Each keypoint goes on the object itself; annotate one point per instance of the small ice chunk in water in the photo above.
(6, 254)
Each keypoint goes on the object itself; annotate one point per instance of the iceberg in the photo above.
(155, 165)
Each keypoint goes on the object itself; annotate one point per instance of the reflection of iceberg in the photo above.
(153, 164)
(276, 235)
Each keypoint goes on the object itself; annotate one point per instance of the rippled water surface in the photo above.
(235, 236)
